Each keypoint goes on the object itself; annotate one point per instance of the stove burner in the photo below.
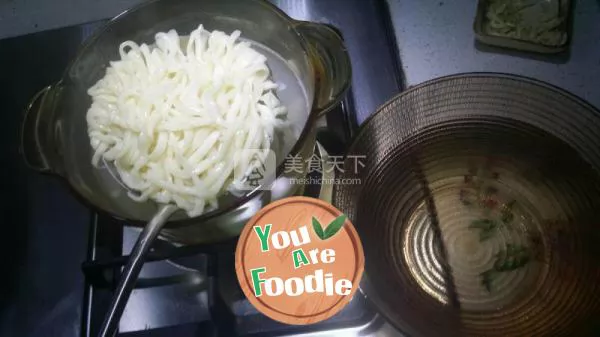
(195, 286)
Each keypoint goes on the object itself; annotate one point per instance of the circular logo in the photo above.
(299, 260)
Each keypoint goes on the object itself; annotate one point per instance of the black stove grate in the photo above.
(206, 272)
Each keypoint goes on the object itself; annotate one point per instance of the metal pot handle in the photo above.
(331, 62)
(37, 132)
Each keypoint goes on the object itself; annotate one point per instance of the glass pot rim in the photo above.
(315, 112)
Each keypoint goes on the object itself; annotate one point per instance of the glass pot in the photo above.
(54, 135)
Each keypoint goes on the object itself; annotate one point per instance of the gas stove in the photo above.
(193, 290)
(183, 290)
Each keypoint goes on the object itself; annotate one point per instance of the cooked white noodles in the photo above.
(173, 116)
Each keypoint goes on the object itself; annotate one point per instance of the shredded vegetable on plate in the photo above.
(536, 21)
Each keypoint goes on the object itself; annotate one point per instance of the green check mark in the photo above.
(330, 230)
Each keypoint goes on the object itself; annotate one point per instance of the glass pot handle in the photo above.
(38, 146)
(331, 62)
